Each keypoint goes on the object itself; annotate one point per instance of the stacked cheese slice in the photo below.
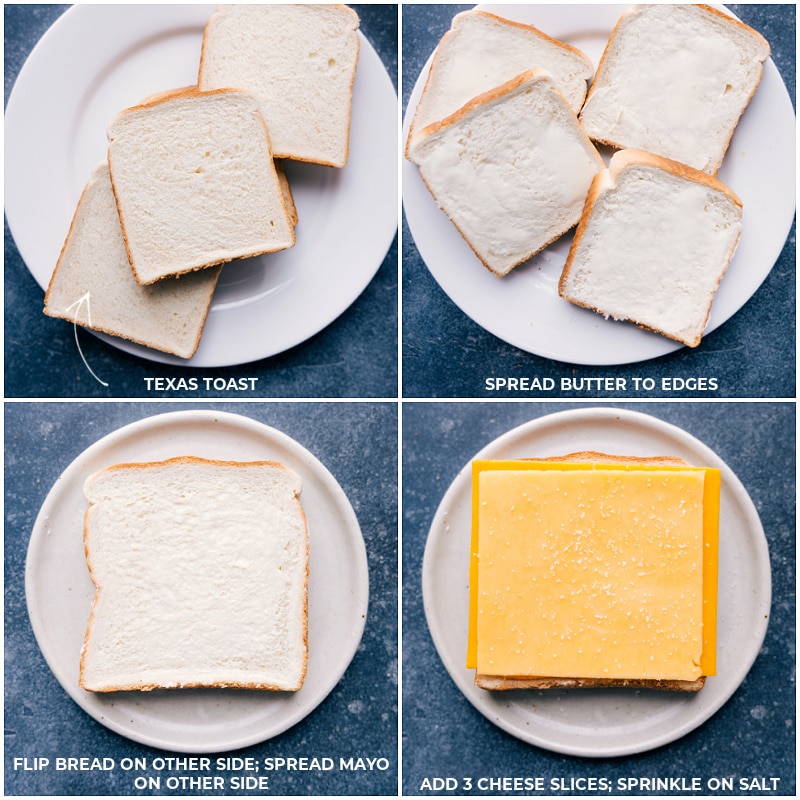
(593, 570)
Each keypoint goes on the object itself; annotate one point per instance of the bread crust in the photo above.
(166, 97)
(512, 23)
(535, 75)
(599, 78)
(289, 155)
(620, 161)
(506, 683)
(146, 687)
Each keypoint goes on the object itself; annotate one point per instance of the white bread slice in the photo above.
(497, 683)
(674, 80)
(201, 575)
(482, 51)
(195, 183)
(653, 244)
(510, 169)
(300, 61)
(167, 316)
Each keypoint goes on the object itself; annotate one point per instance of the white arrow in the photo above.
(87, 299)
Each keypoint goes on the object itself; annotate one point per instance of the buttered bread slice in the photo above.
(510, 169)
(593, 570)
(674, 80)
(653, 244)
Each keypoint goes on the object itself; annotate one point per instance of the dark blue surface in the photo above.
(751, 736)
(355, 356)
(446, 354)
(357, 442)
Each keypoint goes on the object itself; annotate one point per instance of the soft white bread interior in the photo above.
(674, 80)
(511, 169)
(653, 244)
(482, 51)
(300, 61)
(93, 285)
(201, 575)
(195, 183)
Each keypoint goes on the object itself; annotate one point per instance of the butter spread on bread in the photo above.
(510, 169)
(653, 243)
(482, 51)
(674, 80)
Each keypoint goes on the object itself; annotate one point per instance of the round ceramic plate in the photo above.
(55, 132)
(524, 308)
(59, 591)
(602, 722)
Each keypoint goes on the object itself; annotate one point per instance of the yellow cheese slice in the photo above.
(593, 570)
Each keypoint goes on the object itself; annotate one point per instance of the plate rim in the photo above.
(160, 423)
(462, 677)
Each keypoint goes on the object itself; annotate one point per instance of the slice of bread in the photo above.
(653, 244)
(93, 285)
(482, 51)
(201, 575)
(621, 464)
(510, 169)
(300, 61)
(674, 80)
(195, 183)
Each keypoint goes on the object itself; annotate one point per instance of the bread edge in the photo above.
(98, 588)
(500, 683)
(109, 331)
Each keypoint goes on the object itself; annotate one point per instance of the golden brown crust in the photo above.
(98, 589)
(593, 456)
(605, 180)
(505, 683)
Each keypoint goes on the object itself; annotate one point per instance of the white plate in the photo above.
(524, 308)
(602, 722)
(55, 131)
(59, 591)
